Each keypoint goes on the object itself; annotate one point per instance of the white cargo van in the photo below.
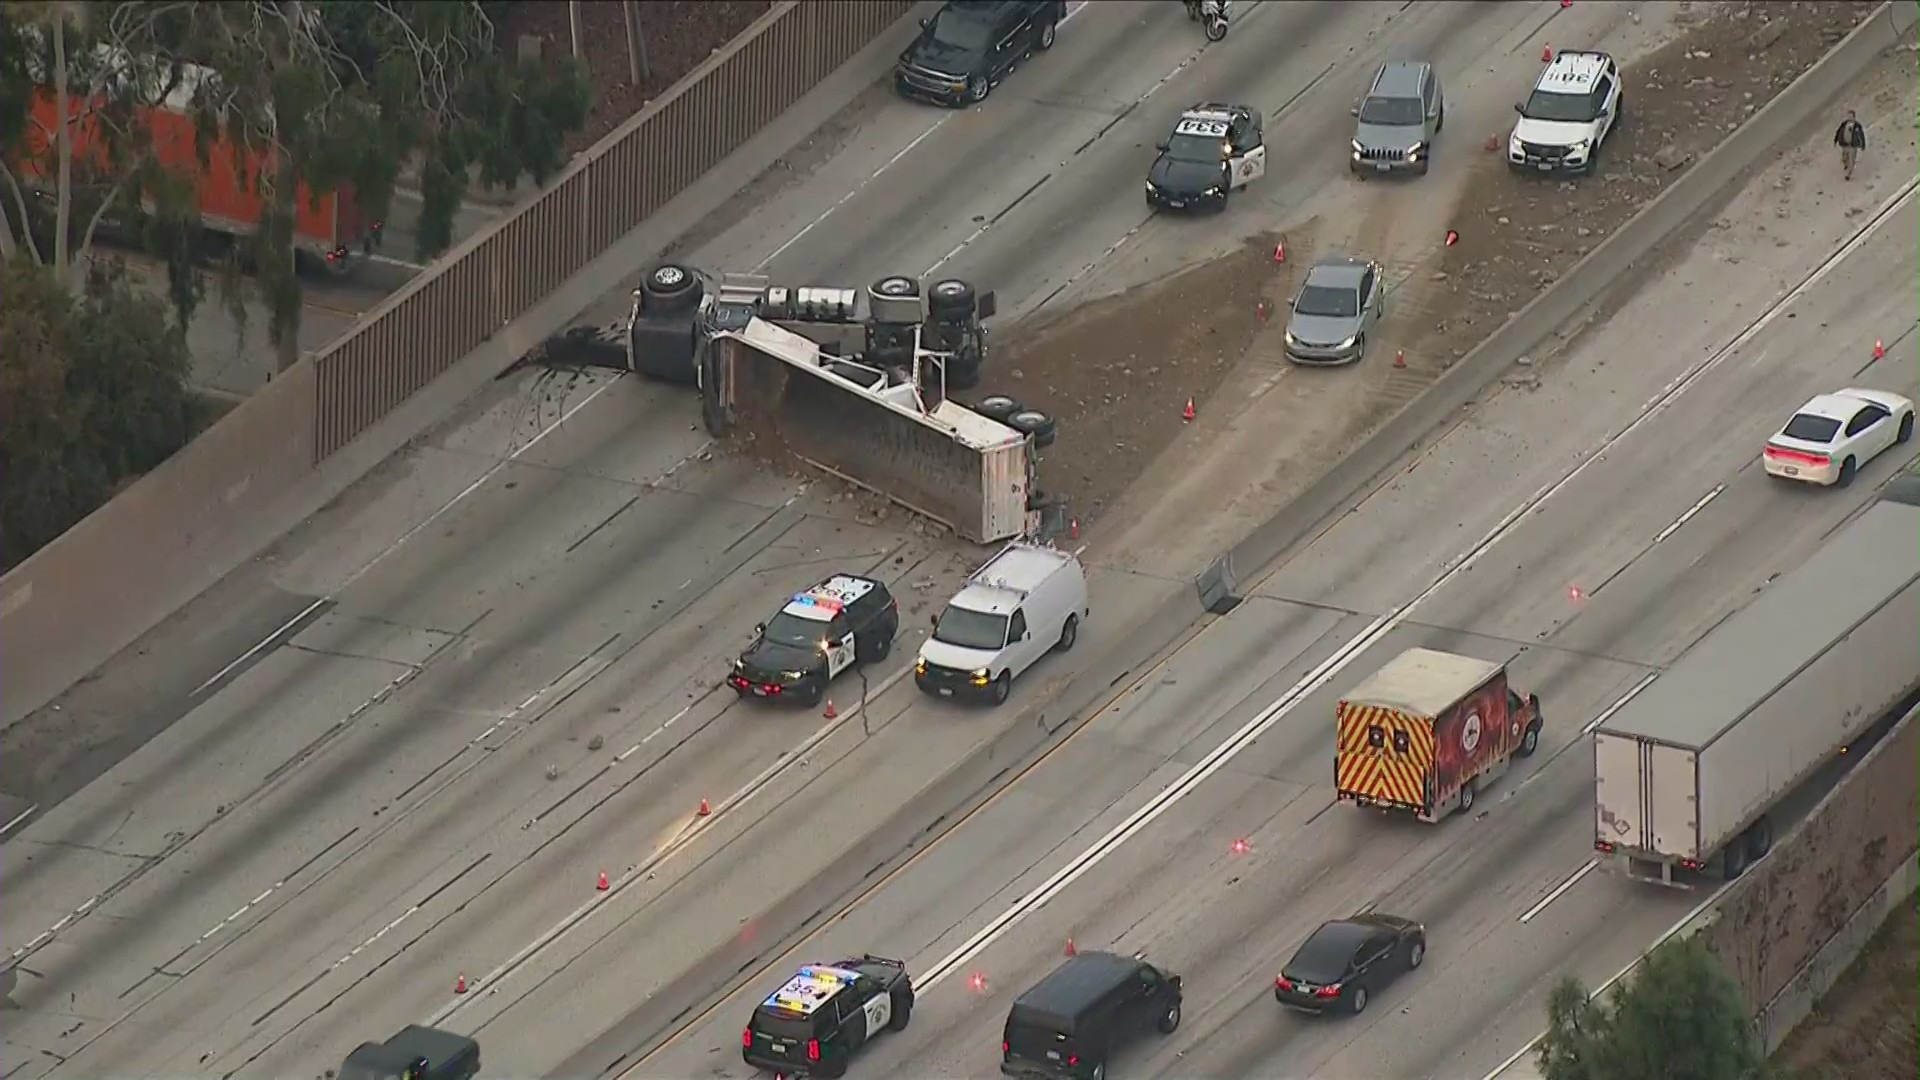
(1027, 601)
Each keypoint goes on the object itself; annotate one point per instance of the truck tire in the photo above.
(1036, 424)
(997, 407)
(896, 285)
(902, 1012)
(962, 375)
(1733, 860)
(1759, 839)
(1529, 741)
(1467, 797)
(951, 300)
(671, 287)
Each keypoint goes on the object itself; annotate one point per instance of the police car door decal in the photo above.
(1251, 167)
(879, 1010)
(839, 655)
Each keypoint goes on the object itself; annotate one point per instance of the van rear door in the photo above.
(1044, 1045)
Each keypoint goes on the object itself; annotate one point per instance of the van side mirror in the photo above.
(924, 23)
(1355, 111)
(1519, 108)
(933, 621)
(1175, 980)
(1160, 146)
(759, 629)
(986, 305)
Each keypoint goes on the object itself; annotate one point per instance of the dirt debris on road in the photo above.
(1523, 232)
(679, 34)
(1116, 373)
(1864, 1028)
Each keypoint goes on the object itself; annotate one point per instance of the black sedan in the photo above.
(1347, 961)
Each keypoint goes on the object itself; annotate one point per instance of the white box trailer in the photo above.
(1686, 771)
(935, 457)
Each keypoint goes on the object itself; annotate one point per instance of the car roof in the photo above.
(827, 599)
(1334, 942)
(811, 987)
(1338, 271)
(1573, 72)
(1832, 406)
(1424, 681)
(1399, 79)
(1071, 987)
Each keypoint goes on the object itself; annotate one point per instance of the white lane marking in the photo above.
(1607, 714)
(18, 818)
(1072, 10)
(1691, 510)
(1377, 630)
(1616, 977)
(688, 833)
(1559, 891)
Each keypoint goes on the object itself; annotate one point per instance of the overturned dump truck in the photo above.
(862, 395)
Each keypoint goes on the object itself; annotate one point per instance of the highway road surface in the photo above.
(1628, 515)
(350, 804)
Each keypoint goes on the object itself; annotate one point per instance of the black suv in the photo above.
(816, 1020)
(968, 46)
(1068, 1023)
(845, 620)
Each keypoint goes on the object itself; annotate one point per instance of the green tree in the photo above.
(1680, 1017)
(326, 95)
(94, 387)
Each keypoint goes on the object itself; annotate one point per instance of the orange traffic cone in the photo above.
(602, 886)
(704, 809)
(1452, 237)
(1565, 4)
(1399, 358)
(1546, 55)
(1186, 414)
(830, 712)
(1073, 529)
(1071, 951)
(460, 985)
(1879, 349)
(1280, 252)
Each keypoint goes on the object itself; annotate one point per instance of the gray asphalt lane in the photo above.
(436, 776)
(1179, 890)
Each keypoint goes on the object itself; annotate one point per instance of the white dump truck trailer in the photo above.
(1687, 772)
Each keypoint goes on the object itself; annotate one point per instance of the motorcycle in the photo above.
(1212, 14)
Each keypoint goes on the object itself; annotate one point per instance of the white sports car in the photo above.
(1835, 434)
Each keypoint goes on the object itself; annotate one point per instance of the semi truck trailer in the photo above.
(1688, 771)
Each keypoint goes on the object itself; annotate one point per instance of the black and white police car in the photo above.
(817, 1020)
(845, 620)
(1213, 150)
(1574, 108)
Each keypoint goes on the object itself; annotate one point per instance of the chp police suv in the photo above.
(815, 1022)
(845, 620)
(1213, 150)
(1575, 105)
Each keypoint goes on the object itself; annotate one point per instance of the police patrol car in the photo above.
(845, 620)
(815, 1022)
(1574, 107)
(1213, 150)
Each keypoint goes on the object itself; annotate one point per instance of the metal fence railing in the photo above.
(604, 195)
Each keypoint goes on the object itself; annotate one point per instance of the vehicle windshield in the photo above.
(1393, 112)
(794, 631)
(1563, 108)
(1328, 302)
(961, 32)
(1196, 149)
(1811, 428)
(780, 1027)
(970, 629)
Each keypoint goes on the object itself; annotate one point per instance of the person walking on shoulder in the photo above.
(1851, 138)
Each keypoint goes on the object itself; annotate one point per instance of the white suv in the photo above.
(1575, 105)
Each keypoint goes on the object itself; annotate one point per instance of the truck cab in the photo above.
(414, 1053)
